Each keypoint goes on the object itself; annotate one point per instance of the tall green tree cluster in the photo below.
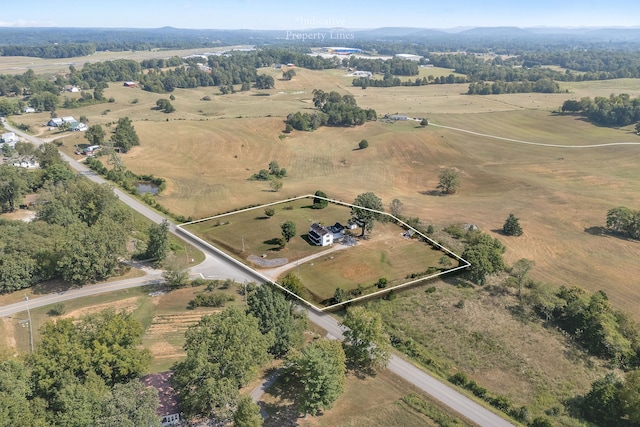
(591, 321)
(81, 373)
(366, 345)
(333, 110)
(318, 374)
(124, 136)
(484, 253)
(223, 353)
(79, 234)
(624, 221)
(615, 110)
(612, 401)
(225, 349)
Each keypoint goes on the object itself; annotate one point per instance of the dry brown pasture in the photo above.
(207, 150)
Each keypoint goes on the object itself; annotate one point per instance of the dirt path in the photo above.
(533, 143)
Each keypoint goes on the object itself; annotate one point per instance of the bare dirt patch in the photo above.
(9, 332)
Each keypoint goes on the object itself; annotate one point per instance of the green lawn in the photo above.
(256, 232)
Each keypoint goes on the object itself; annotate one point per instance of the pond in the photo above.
(146, 187)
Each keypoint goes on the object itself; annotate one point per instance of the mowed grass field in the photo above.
(207, 150)
(258, 232)
(386, 255)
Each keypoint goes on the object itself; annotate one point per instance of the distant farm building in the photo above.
(362, 74)
(55, 122)
(77, 127)
(341, 50)
(408, 56)
(130, 84)
(29, 110)
(9, 138)
(396, 117)
(72, 89)
(69, 119)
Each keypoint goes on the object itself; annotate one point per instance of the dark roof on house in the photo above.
(336, 228)
(167, 397)
(318, 229)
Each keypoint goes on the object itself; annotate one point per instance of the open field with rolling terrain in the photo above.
(207, 150)
(561, 195)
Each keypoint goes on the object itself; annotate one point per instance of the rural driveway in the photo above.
(273, 273)
(218, 265)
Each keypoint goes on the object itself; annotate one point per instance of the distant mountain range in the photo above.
(174, 37)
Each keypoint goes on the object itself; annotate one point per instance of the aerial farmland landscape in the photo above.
(318, 215)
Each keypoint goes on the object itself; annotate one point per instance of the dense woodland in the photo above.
(80, 231)
(82, 373)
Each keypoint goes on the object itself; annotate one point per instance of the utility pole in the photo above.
(242, 237)
(245, 293)
(26, 299)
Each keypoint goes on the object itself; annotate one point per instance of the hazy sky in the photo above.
(306, 14)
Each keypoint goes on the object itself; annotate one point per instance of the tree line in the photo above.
(389, 81)
(544, 85)
(616, 110)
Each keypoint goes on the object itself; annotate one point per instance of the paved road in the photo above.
(218, 266)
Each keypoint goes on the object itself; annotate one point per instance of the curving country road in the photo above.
(218, 266)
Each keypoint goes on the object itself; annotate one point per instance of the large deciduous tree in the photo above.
(319, 201)
(288, 230)
(158, 244)
(223, 352)
(449, 181)
(372, 207)
(275, 313)
(95, 135)
(319, 372)
(130, 404)
(485, 256)
(247, 414)
(264, 81)
(366, 344)
(124, 136)
(624, 220)
(13, 186)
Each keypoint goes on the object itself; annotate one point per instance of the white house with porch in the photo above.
(325, 236)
